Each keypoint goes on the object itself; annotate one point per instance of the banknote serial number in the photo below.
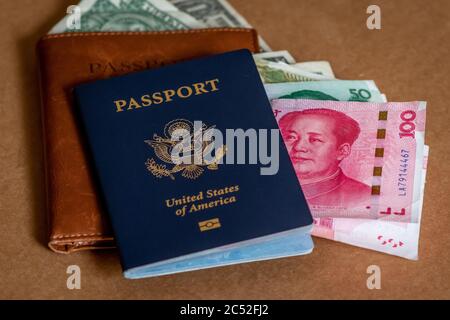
(403, 173)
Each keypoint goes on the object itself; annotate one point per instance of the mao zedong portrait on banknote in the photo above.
(318, 140)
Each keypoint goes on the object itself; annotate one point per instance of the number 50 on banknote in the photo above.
(356, 159)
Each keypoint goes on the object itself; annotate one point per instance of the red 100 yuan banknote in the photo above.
(356, 159)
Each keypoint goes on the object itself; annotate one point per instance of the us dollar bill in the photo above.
(284, 58)
(319, 67)
(129, 15)
(216, 13)
(275, 72)
(276, 56)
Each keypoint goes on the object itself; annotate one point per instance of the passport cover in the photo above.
(75, 217)
(128, 121)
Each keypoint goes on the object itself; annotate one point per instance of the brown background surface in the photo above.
(408, 59)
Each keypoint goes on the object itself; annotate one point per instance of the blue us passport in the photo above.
(191, 167)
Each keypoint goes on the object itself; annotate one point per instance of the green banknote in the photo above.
(129, 15)
(275, 72)
(338, 90)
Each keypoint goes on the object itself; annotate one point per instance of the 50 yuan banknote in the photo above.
(356, 159)
(337, 90)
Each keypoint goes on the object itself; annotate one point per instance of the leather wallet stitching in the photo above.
(118, 33)
(76, 235)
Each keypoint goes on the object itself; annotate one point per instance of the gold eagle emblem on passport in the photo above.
(194, 142)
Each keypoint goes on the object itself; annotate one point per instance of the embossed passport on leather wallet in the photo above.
(167, 146)
(76, 219)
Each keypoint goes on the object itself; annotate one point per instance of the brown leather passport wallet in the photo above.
(76, 220)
